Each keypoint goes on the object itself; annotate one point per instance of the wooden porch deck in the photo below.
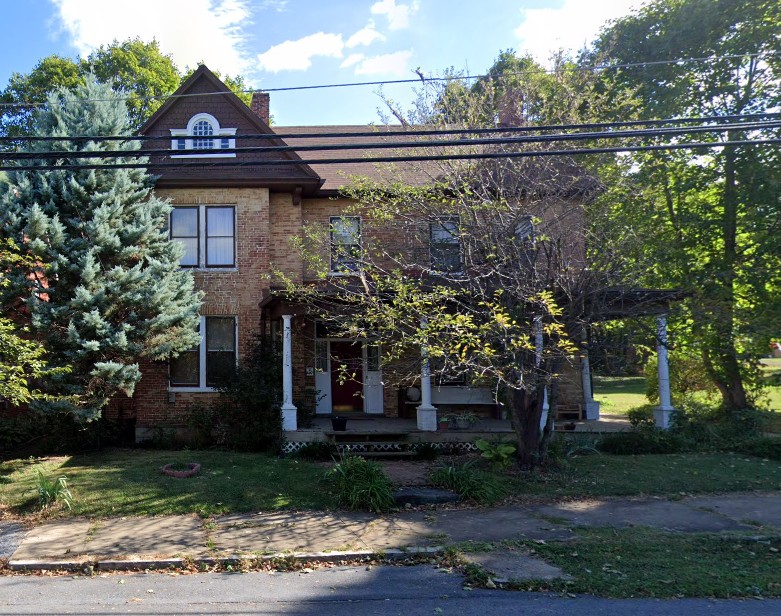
(362, 429)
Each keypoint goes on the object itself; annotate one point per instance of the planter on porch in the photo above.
(339, 424)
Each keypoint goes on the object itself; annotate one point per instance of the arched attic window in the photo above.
(203, 132)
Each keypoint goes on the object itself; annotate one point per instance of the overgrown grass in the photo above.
(361, 484)
(470, 483)
(642, 562)
(129, 482)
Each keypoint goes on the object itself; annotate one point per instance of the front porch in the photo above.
(389, 435)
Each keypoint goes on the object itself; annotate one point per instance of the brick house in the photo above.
(236, 221)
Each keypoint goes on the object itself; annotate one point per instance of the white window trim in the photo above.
(202, 237)
(187, 133)
(202, 388)
(331, 270)
(441, 222)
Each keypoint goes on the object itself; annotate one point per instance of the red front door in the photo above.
(347, 376)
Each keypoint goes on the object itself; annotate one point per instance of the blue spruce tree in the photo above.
(106, 288)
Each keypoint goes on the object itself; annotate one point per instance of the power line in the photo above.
(414, 132)
(394, 159)
(579, 68)
(481, 141)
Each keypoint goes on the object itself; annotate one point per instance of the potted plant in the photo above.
(463, 420)
(339, 424)
(444, 423)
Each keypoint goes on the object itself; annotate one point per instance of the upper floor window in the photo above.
(207, 233)
(203, 132)
(345, 243)
(445, 245)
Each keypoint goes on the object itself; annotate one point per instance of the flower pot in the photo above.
(443, 425)
(339, 424)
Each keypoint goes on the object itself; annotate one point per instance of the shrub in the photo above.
(641, 416)
(247, 416)
(762, 447)
(687, 376)
(360, 484)
(638, 442)
(35, 432)
(318, 451)
(499, 454)
(426, 451)
(51, 491)
(469, 483)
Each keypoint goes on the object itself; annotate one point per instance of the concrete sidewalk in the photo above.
(135, 543)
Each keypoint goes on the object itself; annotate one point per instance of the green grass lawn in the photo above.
(642, 562)
(670, 475)
(129, 482)
(618, 394)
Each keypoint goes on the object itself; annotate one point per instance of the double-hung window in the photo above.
(345, 244)
(208, 234)
(214, 359)
(445, 245)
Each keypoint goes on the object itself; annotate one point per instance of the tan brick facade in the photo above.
(273, 205)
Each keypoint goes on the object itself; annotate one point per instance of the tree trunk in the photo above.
(525, 414)
(730, 383)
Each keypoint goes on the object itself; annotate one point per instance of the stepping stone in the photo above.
(514, 565)
(424, 496)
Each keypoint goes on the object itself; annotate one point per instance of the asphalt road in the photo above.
(386, 591)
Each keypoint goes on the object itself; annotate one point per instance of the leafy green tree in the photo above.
(22, 360)
(105, 287)
(710, 219)
(484, 270)
(138, 70)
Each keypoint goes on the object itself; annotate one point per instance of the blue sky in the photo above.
(286, 43)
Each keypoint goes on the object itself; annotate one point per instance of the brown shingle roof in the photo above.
(338, 175)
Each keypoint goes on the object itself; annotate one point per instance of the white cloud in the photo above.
(297, 55)
(190, 31)
(576, 22)
(365, 36)
(394, 64)
(353, 58)
(397, 14)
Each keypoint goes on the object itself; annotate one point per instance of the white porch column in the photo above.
(289, 411)
(591, 405)
(665, 409)
(426, 412)
(538, 342)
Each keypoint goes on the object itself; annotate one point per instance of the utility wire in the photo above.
(480, 141)
(748, 117)
(394, 159)
(424, 79)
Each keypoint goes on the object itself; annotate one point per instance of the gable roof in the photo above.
(203, 92)
(338, 175)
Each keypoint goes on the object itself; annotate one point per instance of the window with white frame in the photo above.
(208, 234)
(345, 244)
(445, 245)
(212, 361)
(203, 132)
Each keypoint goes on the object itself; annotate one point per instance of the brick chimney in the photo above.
(260, 105)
